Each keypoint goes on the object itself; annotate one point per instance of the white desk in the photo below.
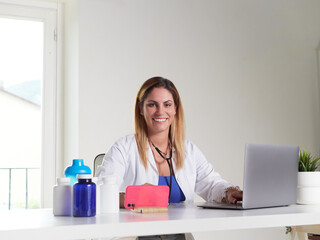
(41, 224)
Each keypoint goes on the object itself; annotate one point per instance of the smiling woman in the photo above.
(159, 98)
(158, 153)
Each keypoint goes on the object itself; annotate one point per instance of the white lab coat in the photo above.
(196, 176)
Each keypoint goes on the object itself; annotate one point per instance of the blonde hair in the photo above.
(177, 129)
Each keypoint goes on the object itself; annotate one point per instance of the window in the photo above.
(28, 79)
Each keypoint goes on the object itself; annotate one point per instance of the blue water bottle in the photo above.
(84, 197)
(77, 167)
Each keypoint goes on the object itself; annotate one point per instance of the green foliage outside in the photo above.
(32, 204)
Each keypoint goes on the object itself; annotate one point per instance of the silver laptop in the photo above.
(270, 177)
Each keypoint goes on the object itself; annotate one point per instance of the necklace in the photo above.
(158, 150)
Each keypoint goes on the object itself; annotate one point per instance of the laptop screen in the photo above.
(270, 175)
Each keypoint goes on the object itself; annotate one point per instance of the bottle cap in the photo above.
(78, 159)
(63, 180)
(110, 179)
(84, 176)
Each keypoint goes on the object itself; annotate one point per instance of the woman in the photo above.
(158, 153)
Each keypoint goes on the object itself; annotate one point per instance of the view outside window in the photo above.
(21, 74)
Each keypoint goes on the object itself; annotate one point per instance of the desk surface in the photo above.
(35, 224)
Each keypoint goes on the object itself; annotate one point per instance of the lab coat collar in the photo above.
(151, 160)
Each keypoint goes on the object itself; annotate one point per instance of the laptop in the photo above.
(270, 177)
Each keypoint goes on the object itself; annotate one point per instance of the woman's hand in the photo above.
(233, 195)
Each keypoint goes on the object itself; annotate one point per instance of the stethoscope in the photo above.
(170, 167)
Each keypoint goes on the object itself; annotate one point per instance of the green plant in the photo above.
(308, 162)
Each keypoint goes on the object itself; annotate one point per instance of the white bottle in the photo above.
(96, 181)
(109, 195)
(62, 197)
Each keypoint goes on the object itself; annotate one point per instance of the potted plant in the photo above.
(308, 178)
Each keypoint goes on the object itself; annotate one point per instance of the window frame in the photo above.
(49, 14)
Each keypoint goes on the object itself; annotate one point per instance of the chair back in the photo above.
(97, 162)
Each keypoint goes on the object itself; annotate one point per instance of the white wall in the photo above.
(247, 71)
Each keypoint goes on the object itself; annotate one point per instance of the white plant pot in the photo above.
(308, 188)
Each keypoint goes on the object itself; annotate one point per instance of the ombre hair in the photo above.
(177, 127)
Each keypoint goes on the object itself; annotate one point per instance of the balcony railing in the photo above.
(17, 173)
